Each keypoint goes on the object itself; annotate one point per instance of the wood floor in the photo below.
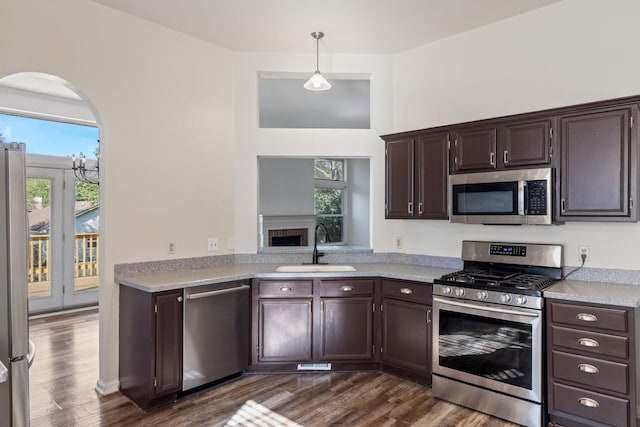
(65, 371)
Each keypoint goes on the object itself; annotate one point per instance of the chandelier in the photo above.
(91, 174)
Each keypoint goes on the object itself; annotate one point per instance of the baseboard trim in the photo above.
(107, 388)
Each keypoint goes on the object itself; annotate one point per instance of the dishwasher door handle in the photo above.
(218, 292)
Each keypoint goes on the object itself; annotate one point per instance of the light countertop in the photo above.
(178, 279)
(595, 292)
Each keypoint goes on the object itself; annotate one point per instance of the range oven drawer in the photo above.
(604, 409)
(591, 372)
(590, 342)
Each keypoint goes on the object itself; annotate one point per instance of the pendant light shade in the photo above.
(317, 80)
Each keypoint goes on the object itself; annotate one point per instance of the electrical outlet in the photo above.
(172, 248)
(231, 243)
(398, 242)
(583, 251)
(212, 244)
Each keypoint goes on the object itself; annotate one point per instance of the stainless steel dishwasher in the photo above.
(216, 332)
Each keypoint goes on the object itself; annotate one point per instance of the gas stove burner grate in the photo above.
(504, 279)
(528, 281)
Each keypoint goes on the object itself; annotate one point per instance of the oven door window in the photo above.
(499, 198)
(495, 349)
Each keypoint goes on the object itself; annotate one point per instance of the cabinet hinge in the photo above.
(550, 133)
(373, 349)
(155, 308)
(381, 308)
(373, 306)
(257, 351)
(630, 202)
(155, 382)
(448, 142)
(380, 349)
(631, 124)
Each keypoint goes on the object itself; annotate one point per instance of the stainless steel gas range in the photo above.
(489, 330)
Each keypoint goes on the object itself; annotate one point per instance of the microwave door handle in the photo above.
(522, 194)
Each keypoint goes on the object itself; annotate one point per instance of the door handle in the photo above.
(406, 291)
(346, 288)
(505, 157)
(492, 158)
(589, 403)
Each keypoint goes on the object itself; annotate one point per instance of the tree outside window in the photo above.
(329, 195)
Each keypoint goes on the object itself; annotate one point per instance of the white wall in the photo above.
(252, 141)
(567, 53)
(165, 109)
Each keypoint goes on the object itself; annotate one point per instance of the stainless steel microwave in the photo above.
(520, 196)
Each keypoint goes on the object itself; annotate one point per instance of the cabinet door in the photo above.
(406, 335)
(346, 329)
(431, 173)
(475, 150)
(284, 330)
(526, 144)
(597, 165)
(168, 342)
(399, 177)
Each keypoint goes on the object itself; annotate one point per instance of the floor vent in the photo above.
(314, 366)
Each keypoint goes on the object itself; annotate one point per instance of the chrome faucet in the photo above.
(317, 254)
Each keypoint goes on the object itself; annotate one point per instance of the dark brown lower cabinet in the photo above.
(592, 357)
(313, 321)
(346, 320)
(150, 354)
(406, 327)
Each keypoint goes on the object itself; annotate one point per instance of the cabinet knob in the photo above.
(406, 291)
(179, 299)
(346, 288)
(588, 342)
(588, 369)
(285, 288)
(589, 403)
(587, 317)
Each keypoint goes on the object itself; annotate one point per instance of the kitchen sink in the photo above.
(313, 268)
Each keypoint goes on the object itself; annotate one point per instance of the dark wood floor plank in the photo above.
(64, 374)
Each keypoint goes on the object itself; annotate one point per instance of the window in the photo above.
(330, 198)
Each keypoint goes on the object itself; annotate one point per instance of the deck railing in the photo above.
(85, 256)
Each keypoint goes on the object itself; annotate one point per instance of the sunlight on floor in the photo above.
(251, 413)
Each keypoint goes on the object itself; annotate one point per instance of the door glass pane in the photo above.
(87, 238)
(39, 215)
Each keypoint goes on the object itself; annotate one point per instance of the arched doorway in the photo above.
(63, 271)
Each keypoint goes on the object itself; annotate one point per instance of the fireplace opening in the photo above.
(288, 237)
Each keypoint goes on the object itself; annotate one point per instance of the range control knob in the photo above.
(505, 298)
(446, 290)
(459, 292)
(483, 295)
(521, 299)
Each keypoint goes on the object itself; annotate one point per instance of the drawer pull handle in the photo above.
(589, 403)
(346, 288)
(588, 369)
(406, 291)
(587, 317)
(588, 342)
(285, 288)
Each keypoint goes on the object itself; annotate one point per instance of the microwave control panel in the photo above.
(537, 197)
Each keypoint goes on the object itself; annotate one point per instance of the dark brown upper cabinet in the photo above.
(599, 165)
(518, 144)
(416, 176)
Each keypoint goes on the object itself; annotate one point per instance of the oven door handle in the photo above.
(487, 308)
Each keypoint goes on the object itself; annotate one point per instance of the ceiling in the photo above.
(350, 26)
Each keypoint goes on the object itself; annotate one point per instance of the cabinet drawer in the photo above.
(341, 288)
(408, 291)
(286, 288)
(592, 317)
(591, 342)
(591, 372)
(593, 406)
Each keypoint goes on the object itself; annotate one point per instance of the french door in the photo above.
(63, 242)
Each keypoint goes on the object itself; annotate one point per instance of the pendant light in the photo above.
(317, 80)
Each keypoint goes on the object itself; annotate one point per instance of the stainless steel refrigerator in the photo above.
(14, 332)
